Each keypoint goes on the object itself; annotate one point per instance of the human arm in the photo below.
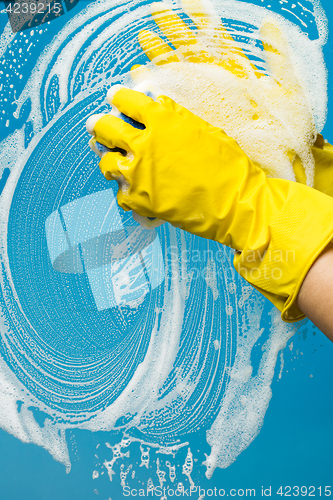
(315, 298)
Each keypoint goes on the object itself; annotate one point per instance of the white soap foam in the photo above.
(273, 118)
(288, 124)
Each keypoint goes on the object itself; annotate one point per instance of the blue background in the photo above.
(294, 447)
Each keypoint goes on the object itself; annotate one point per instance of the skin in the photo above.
(315, 298)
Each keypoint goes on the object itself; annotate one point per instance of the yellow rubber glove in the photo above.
(183, 170)
(212, 44)
(323, 156)
(208, 73)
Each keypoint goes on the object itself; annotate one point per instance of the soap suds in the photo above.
(160, 362)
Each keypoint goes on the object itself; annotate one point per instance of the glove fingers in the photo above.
(131, 103)
(116, 167)
(172, 26)
(180, 35)
(139, 73)
(113, 132)
(229, 55)
(156, 49)
(207, 23)
(113, 165)
(277, 54)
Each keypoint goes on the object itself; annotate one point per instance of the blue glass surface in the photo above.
(92, 286)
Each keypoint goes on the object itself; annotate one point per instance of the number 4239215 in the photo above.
(304, 491)
(34, 7)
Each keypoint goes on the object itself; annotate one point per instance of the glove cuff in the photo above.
(296, 237)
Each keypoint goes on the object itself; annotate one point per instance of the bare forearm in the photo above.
(315, 298)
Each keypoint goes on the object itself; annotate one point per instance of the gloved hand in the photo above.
(213, 45)
(264, 107)
(183, 170)
(152, 91)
